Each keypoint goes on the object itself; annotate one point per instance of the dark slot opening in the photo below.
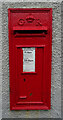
(30, 31)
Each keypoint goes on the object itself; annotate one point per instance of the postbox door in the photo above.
(29, 74)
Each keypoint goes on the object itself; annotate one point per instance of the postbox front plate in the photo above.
(30, 44)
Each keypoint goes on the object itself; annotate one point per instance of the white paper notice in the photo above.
(28, 59)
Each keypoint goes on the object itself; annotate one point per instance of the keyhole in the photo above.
(24, 79)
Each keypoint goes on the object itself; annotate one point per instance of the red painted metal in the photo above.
(31, 27)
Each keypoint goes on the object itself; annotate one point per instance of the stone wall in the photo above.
(55, 111)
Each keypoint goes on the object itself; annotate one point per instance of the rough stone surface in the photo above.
(55, 111)
(0, 60)
(62, 58)
(31, 1)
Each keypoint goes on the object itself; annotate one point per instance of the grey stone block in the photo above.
(55, 111)
(0, 60)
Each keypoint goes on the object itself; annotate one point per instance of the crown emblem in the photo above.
(30, 19)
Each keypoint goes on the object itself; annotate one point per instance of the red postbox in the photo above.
(30, 48)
